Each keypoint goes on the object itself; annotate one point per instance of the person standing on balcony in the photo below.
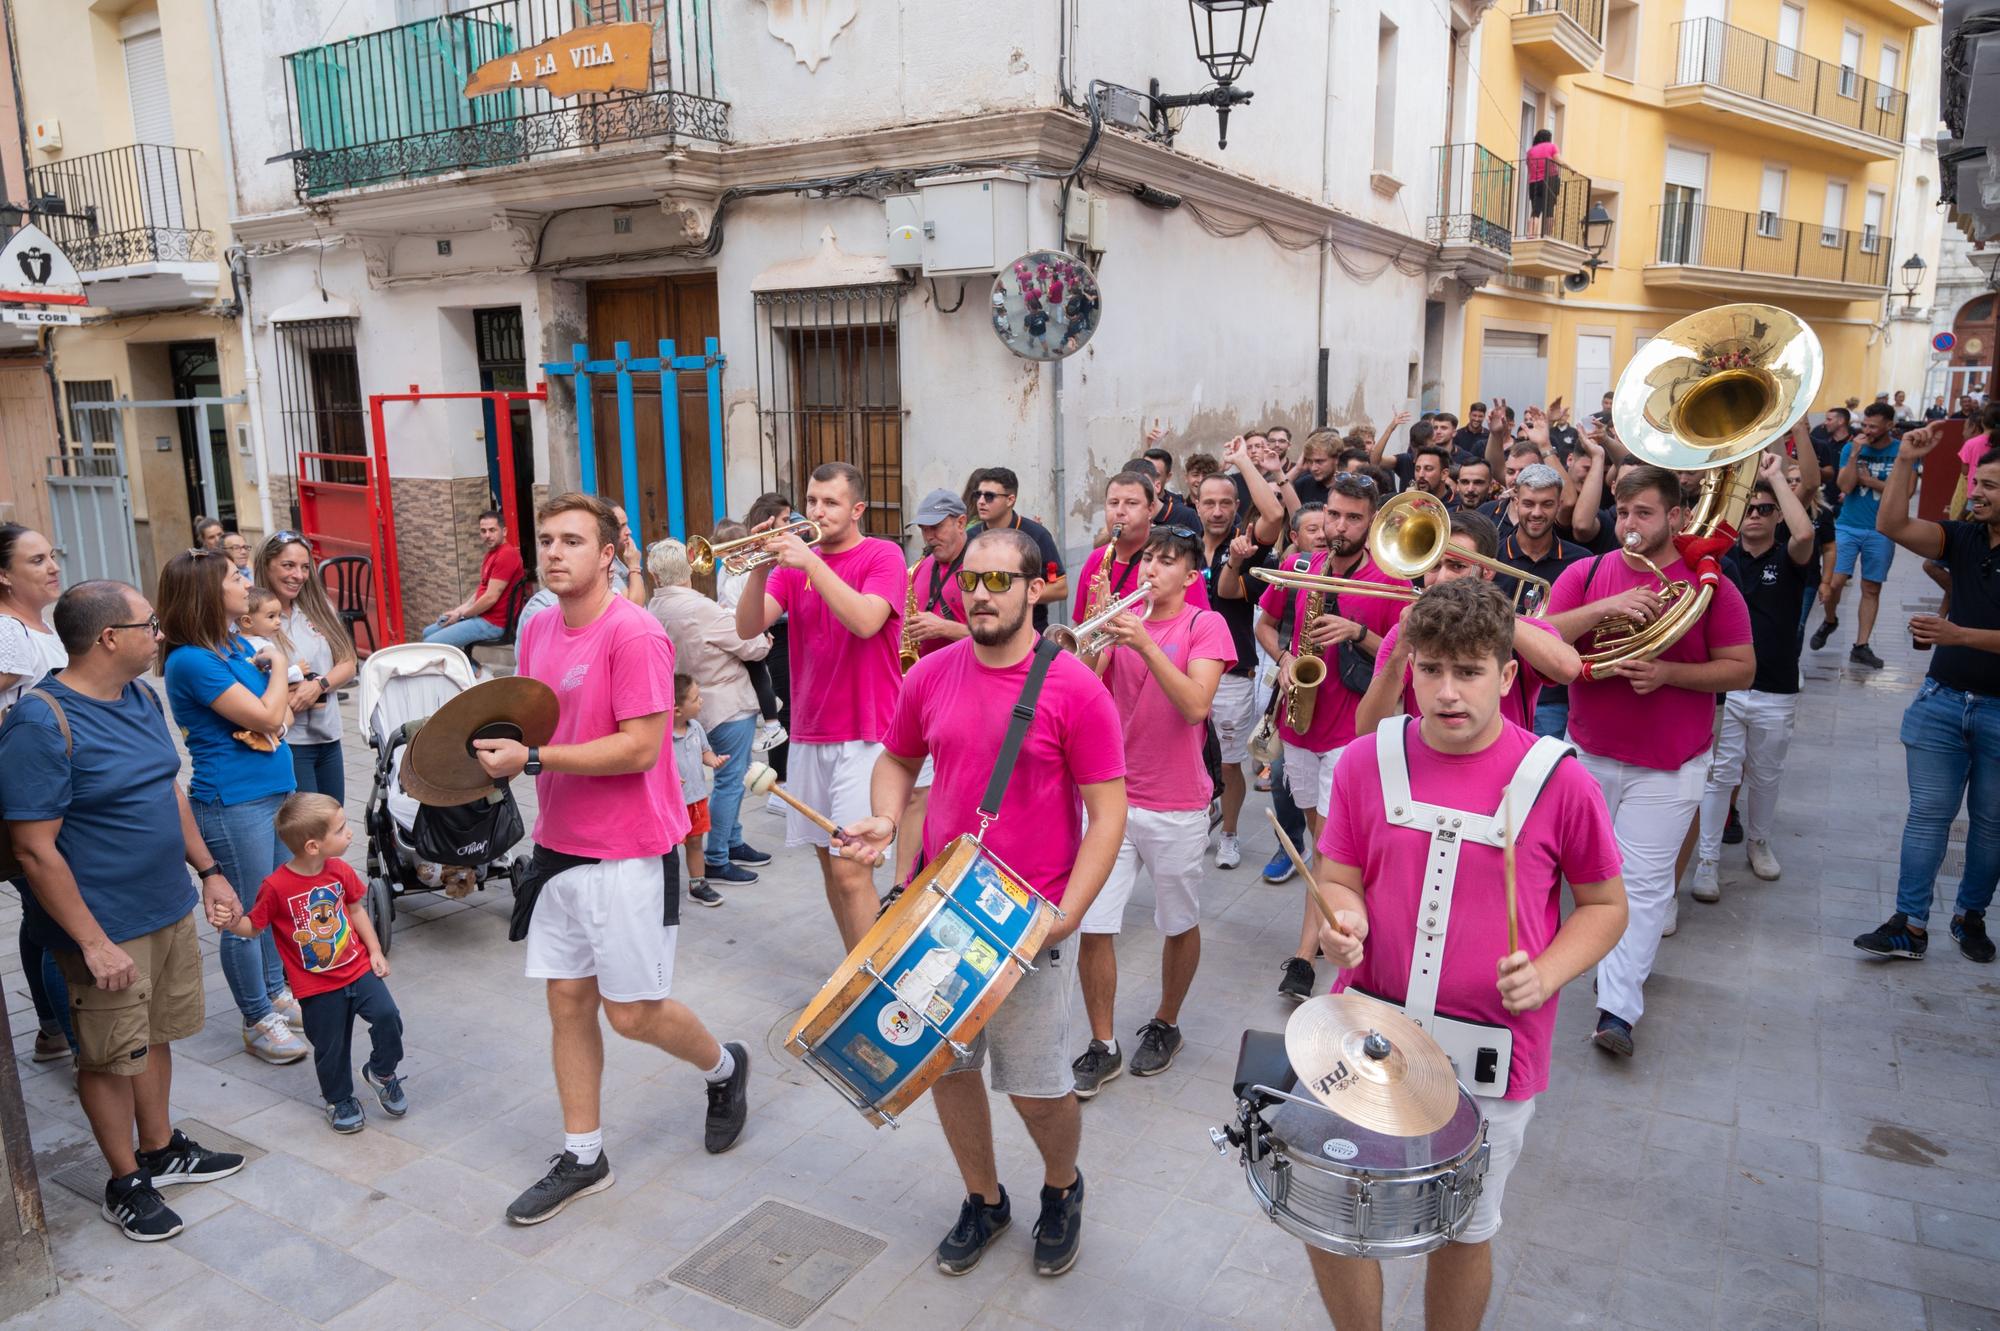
(1542, 185)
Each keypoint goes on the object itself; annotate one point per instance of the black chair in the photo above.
(349, 579)
(522, 590)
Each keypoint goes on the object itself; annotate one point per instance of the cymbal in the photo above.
(439, 767)
(1371, 1065)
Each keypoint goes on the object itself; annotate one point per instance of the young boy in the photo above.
(262, 625)
(696, 763)
(332, 958)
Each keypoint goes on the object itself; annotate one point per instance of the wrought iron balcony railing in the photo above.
(1710, 51)
(1474, 203)
(1552, 208)
(1696, 235)
(390, 105)
(1586, 14)
(123, 207)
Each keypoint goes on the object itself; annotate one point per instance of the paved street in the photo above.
(1806, 1139)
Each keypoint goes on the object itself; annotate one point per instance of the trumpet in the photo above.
(747, 552)
(1093, 635)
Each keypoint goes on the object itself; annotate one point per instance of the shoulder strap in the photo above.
(1538, 764)
(62, 721)
(1017, 729)
(1392, 767)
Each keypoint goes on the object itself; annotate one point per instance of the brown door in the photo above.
(640, 311)
(28, 425)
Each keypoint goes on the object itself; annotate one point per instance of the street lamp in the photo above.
(1226, 33)
(1988, 264)
(1913, 277)
(1596, 235)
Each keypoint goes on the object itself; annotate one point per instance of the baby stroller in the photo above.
(410, 845)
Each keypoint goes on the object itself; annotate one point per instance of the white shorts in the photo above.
(603, 920)
(1506, 1129)
(1235, 714)
(927, 773)
(832, 778)
(1171, 844)
(1309, 776)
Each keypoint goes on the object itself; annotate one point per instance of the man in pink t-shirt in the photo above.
(1645, 727)
(1434, 940)
(1128, 516)
(1162, 672)
(845, 601)
(955, 708)
(602, 895)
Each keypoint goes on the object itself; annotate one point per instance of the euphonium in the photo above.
(908, 651)
(1093, 635)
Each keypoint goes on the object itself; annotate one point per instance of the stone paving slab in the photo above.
(1806, 1138)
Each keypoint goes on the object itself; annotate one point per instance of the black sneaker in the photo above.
(1613, 1035)
(1298, 982)
(1970, 931)
(1862, 654)
(1059, 1231)
(731, 873)
(1823, 632)
(183, 1160)
(1894, 938)
(1158, 1043)
(1095, 1066)
(741, 853)
(700, 891)
(1732, 831)
(895, 895)
(134, 1205)
(728, 1104)
(978, 1225)
(564, 1183)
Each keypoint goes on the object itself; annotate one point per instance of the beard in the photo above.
(1343, 546)
(990, 630)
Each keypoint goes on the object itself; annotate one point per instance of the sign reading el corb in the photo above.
(604, 57)
(35, 271)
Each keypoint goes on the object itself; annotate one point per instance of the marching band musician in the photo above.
(845, 602)
(1417, 898)
(1111, 570)
(955, 708)
(938, 622)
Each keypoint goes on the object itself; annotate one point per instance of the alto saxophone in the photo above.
(1306, 671)
(1100, 585)
(908, 650)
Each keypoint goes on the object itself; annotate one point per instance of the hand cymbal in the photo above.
(440, 767)
(1371, 1065)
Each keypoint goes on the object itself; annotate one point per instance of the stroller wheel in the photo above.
(381, 910)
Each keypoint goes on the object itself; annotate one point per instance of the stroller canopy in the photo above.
(407, 682)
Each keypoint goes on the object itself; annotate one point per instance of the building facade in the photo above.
(27, 410)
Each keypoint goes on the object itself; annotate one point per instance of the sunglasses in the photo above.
(150, 622)
(996, 581)
(1184, 533)
(989, 496)
(1761, 510)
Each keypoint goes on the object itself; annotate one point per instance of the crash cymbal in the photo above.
(440, 767)
(1371, 1065)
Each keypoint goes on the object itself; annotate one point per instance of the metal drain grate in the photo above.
(80, 1168)
(778, 1262)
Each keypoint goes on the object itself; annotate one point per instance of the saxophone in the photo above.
(1100, 585)
(908, 650)
(1306, 671)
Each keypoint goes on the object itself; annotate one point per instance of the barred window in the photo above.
(319, 399)
(87, 426)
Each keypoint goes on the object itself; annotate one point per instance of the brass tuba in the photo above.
(1710, 393)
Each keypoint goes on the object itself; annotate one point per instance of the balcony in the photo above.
(390, 105)
(1742, 82)
(130, 220)
(1548, 238)
(1472, 213)
(1560, 36)
(1758, 254)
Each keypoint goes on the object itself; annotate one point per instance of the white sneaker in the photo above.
(273, 1041)
(1706, 886)
(769, 736)
(1763, 862)
(1227, 853)
(1673, 924)
(295, 1016)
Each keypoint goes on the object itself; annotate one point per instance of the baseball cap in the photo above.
(937, 506)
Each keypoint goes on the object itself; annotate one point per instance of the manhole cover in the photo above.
(778, 1262)
(80, 1168)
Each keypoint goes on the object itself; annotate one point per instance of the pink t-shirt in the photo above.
(1162, 750)
(1519, 704)
(1667, 727)
(956, 710)
(1973, 449)
(1333, 712)
(618, 666)
(1539, 157)
(947, 603)
(1568, 833)
(1124, 581)
(844, 687)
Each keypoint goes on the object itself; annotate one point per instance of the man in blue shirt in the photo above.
(1865, 462)
(106, 836)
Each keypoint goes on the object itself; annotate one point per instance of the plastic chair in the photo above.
(349, 579)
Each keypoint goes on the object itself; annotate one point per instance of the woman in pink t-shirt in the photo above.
(1542, 185)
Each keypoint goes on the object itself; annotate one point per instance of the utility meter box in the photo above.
(974, 222)
(905, 213)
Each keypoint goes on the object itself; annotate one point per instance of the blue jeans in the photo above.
(731, 742)
(1290, 816)
(1951, 745)
(244, 840)
(320, 768)
(1552, 718)
(464, 633)
(329, 1021)
(46, 986)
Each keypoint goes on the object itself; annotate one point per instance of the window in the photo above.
(1771, 201)
(1871, 221)
(1850, 62)
(1385, 98)
(88, 427)
(1791, 29)
(1836, 210)
(1886, 73)
(1621, 40)
(319, 399)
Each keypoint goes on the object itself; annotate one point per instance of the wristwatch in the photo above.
(533, 767)
(212, 871)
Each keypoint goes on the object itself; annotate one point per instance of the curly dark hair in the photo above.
(1461, 620)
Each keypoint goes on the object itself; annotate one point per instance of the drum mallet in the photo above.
(1312, 884)
(761, 780)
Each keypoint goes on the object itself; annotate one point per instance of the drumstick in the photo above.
(1507, 853)
(1312, 886)
(761, 780)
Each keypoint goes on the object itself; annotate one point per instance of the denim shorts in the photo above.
(1872, 548)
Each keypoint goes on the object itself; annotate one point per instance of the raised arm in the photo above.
(1893, 517)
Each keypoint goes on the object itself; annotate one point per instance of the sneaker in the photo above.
(564, 1183)
(295, 1016)
(1862, 654)
(134, 1205)
(1298, 982)
(728, 1104)
(770, 735)
(730, 873)
(1673, 921)
(1279, 868)
(895, 894)
(1095, 1066)
(1059, 1230)
(1158, 1043)
(1970, 931)
(742, 853)
(1763, 861)
(700, 891)
(274, 1041)
(50, 1045)
(184, 1160)
(345, 1116)
(978, 1225)
(1263, 781)
(1613, 1035)
(1894, 938)
(388, 1090)
(1732, 831)
(1707, 887)
(1228, 854)
(1823, 632)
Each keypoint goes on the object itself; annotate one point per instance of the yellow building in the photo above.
(1745, 151)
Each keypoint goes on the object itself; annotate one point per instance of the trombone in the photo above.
(1412, 536)
(747, 552)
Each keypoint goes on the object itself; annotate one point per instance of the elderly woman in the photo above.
(707, 648)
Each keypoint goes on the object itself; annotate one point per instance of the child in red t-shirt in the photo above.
(332, 958)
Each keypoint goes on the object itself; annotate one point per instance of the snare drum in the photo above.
(924, 982)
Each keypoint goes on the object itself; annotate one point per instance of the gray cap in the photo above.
(937, 506)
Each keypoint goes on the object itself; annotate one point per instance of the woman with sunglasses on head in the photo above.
(233, 708)
(322, 647)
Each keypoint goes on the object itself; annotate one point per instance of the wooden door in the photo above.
(28, 424)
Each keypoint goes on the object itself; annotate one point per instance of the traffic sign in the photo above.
(35, 271)
(1943, 342)
(40, 318)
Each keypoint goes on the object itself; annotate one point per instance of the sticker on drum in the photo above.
(951, 931)
(938, 1009)
(865, 1052)
(1015, 891)
(979, 955)
(916, 985)
(995, 904)
(1339, 1148)
(899, 1025)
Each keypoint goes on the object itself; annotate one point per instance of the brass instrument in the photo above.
(747, 552)
(907, 652)
(1306, 671)
(1412, 536)
(1093, 635)
(1100, 584)
(1710, 393)
(1300, 581)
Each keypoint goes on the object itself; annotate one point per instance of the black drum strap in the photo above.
(1017, 731)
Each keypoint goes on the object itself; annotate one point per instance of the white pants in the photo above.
(1170, 843)
(832, 778)
(1234, 712)
(604, 920)
(1650, 812)
(1756, 734)
(1309, 776)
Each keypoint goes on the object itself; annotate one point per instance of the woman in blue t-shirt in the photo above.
(232, 708)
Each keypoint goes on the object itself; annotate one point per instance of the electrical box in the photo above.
(906, 230)
(1099, 238)
(47, 135)
(975, 222)
(1076, 218)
